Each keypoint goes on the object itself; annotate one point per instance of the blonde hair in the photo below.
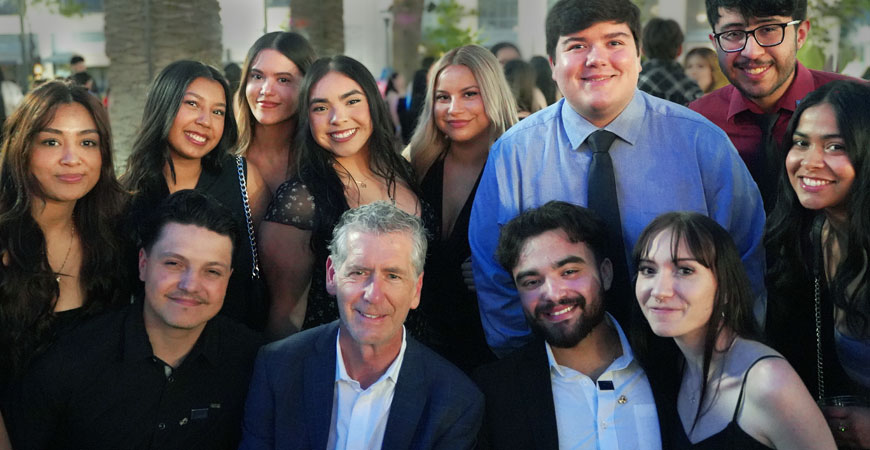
(428, 142)
(712, 60)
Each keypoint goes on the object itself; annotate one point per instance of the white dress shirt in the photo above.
(616, 413)
(359, 416)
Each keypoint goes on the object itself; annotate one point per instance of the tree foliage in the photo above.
(447, 34)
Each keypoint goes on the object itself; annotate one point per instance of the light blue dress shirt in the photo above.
(666, 158)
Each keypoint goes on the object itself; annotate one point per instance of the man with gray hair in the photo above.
(361, 381)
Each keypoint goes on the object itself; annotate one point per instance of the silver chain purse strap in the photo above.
(820, 376)
(255, 266)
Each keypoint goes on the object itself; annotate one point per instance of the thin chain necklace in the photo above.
(72, 233)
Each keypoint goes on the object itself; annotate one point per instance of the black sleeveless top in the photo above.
(731, 437)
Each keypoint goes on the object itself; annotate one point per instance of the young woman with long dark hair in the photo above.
(59, 211)
(722, 387)
(185, 142)
(818, 246)
(347, 156)
(267, 100)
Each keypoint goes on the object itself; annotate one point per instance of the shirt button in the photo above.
(171, 379)
(161, 426)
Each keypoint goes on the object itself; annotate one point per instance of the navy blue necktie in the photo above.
(602, 199)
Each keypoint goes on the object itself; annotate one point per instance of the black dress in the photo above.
(242, 303)
(450, 309)
(294, 205)
(791, 324)
(731, 437)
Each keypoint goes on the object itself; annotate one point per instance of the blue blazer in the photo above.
(289, 405)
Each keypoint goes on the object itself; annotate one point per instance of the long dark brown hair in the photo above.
(712, 247)
(28, 289)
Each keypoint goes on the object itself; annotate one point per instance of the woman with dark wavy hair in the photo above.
(347, 157)
(267, 100)
(59, 210)
(185, 142)
(698, 345)
(818, 244)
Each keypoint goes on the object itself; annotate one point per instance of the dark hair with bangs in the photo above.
(315, 164)
(579, 223)
(789, 222)
(796, 9)
(571, 16)
(151, 148)
(28, 287)
(712, 247)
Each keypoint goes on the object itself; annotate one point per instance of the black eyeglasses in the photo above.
(769, 35)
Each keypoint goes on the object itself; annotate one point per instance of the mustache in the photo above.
(548, 306)
(184, 294)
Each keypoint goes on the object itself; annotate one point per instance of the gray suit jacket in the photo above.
(289, 405)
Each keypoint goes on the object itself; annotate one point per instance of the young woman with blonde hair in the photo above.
(468, 106)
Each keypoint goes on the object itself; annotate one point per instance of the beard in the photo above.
(567, 335)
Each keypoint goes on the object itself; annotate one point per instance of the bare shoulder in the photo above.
(778, 409)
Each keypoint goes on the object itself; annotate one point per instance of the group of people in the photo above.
(614, 271)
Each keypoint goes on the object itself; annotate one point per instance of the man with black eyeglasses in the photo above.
(757, 43)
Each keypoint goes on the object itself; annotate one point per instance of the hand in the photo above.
(467, 275)
(850, 425)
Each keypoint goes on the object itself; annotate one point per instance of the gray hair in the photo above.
(379, 217)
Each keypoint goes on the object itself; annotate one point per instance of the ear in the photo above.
(143, 260)
(803, 30)
(713, 40)
(606, 271)
(679, 50)
(330, 276)
(415, 302)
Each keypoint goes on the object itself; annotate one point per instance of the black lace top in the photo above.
(294, 205)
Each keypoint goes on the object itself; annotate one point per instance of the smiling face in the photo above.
(65, 156)
(597, 70)
(561, 287)
(199, 123)
(675, 292)
(339, 114)
(818, 167)
(186, 272)
(459, 111)
(698, 69)
(376, 285)
(762, 74)
(272, 89)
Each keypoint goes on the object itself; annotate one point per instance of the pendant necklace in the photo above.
(59, 273)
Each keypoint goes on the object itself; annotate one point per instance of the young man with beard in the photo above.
(581, 387)
(757, 43)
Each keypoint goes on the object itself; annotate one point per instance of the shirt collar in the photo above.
(619, 363)
(392, 372)
(626, 125)
(801, 85)
(137, 346)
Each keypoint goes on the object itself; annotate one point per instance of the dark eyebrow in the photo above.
(56, 131)
(569, 260)
(573, 39)
(342, 97)
(194, 94)
(253, 69)
(616, 34)
(825, 136)
(564, 261)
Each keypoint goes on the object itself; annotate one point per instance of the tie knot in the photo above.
(600, 141)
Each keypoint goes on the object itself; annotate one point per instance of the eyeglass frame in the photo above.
(752, 33)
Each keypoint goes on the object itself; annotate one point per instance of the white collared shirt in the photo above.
(592, 415)
(359, 417)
